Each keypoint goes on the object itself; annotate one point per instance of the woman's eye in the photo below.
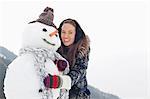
(70, 32)
(44, 30)
(63, 32)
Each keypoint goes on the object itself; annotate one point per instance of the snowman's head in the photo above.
(39, 35)
(42, 33)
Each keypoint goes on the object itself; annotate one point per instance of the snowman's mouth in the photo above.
(48, 42)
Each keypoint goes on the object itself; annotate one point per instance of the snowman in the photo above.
(26, 76)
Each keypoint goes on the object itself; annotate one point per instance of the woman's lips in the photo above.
(66, 40)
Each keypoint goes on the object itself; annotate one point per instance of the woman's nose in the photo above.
(53, 33)
(66, 35)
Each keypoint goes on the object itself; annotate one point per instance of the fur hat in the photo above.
(46, 17)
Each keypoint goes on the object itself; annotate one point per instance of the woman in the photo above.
(75, 48)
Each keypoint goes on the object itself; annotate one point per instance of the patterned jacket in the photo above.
(78, 73)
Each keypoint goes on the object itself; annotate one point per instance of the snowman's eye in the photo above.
(56, 35)
(44, 30)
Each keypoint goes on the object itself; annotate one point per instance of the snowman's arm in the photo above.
(66, 82)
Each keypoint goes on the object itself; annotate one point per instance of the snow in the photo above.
(2, 56)
(19, 75)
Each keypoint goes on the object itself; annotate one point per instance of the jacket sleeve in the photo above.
(78, 71)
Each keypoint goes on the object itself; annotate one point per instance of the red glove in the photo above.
(61, 64)
(52, 81)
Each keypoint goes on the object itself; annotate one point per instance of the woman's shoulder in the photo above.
(84, 47)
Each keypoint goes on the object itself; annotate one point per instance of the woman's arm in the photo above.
(78, 71)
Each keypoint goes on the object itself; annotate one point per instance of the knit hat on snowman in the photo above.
(46, 17)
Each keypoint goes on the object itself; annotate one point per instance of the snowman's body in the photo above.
(22, 80)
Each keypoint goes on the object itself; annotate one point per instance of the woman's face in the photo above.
(68, 34)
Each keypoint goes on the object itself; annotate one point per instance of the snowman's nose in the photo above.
(53, 33)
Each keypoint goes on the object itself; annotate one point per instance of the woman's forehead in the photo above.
(67, 26)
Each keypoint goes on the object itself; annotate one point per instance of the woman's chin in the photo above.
(67, 44)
